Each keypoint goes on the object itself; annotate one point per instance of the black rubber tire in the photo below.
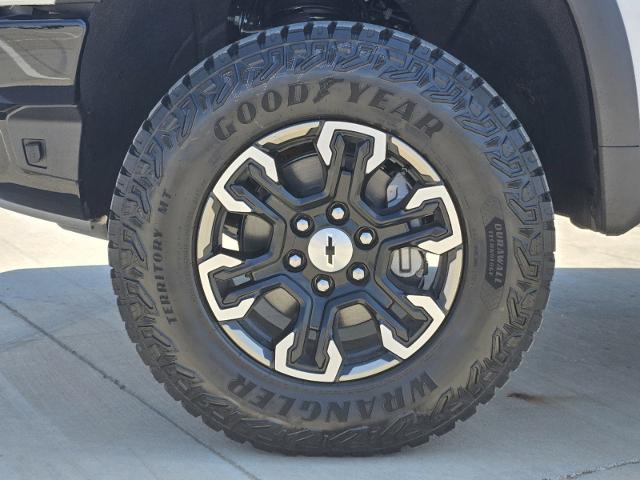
(416, 92)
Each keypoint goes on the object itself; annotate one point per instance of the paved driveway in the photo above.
(77, 403)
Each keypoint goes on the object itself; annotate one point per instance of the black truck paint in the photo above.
(78, 78)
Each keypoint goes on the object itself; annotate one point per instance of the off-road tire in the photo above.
(492, 170)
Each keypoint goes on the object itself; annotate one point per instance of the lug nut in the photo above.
(358, 273)
(295, 260)
(366, 238)
(323, 284)
(303, 225)
(338, 213)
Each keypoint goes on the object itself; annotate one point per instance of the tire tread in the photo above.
(128, 259)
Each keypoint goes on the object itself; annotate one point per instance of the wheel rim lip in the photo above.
(370, 368)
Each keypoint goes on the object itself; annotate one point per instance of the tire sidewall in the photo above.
(442, 119)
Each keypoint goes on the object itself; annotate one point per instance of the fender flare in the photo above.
(608, 51)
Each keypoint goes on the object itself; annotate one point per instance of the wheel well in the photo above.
(529, 51)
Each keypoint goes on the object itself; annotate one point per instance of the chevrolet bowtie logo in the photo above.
(330, 251)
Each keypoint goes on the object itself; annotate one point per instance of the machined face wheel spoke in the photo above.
(307, 331)
(330, 373)
(273, 210)
(257, 288)
(330, 251)
(328, 150)
(408, 239)
(403, 351)
(221, 190)
(377, 219)
(254, 274)
(279, 197)
(389, 224)
(429, 194)
(395, 301)
(206, 270)
(309, 351)
(418, 237)
(257, 269)
(383, 308)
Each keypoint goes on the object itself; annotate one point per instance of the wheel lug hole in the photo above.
(358, 273)
(323, 285)
(303, 225)
(295, 261)
(366, 238)
(338, 213)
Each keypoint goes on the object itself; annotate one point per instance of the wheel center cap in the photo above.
(330, 250)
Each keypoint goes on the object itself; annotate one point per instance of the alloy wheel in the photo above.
(329, 251)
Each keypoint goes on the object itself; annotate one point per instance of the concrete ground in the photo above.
(77, 403)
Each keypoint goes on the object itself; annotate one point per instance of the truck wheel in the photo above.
(331, 239)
